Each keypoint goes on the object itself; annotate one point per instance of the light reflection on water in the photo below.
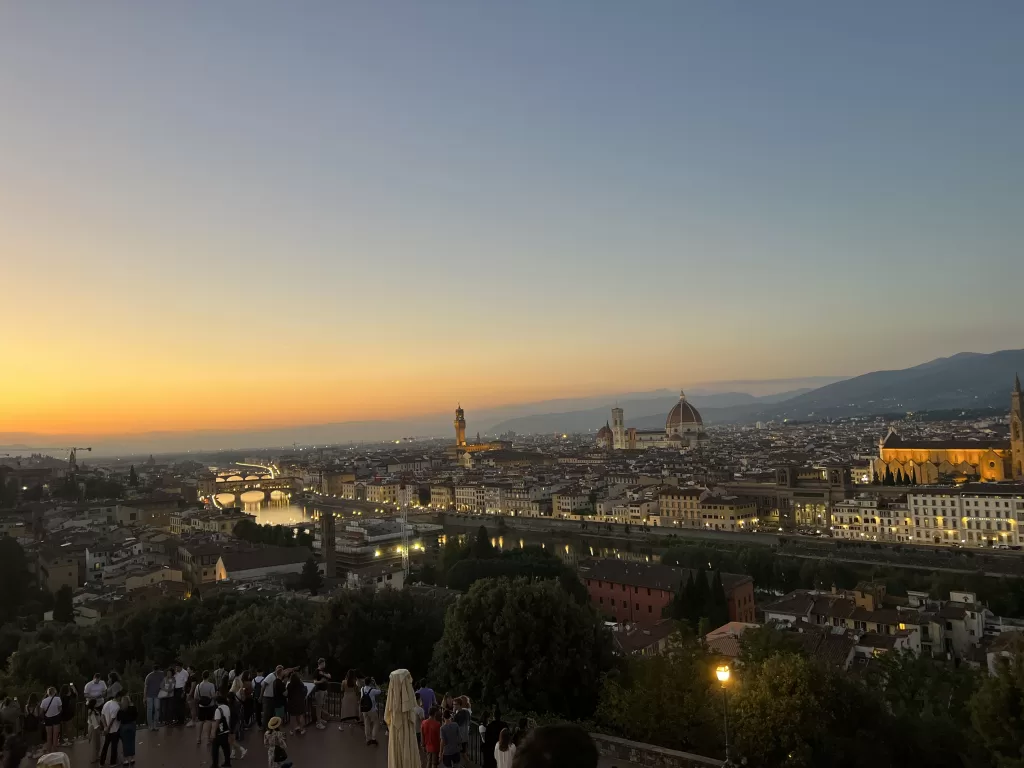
(571, 549)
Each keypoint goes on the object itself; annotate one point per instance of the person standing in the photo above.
(95, 690)
(114, 686)
(349, 699)
(451, 742)
(237, 707)
(128, 716)
(504, 750)
(491, 736)
(50, 709)
(219, 674)
(297, 703)
(427, 696)
(418, 715)
(430, 729)
(277, 745)
(267, 693)
(464, 718)
(180, 689)
(368, 707)
(321, 679)
(205, 695)
(166, 698)
(96, 731)
(68, 705)
(111, 730)
(221, 731)
(281, 691)
(151, 689)
(31, 729)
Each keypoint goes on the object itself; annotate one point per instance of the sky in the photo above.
(250, 214)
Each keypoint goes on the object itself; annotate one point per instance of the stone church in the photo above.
(935, 461)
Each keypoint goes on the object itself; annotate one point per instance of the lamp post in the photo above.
(723, 673)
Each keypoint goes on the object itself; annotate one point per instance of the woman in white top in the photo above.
(504, 750)
(50, 711)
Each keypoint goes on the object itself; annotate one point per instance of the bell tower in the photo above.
(460, 427)
(618, 429)
(1017, 431)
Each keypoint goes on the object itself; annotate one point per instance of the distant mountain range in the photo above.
(968, 380)
(965, 381)
(645, 413)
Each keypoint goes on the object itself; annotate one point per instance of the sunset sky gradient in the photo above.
(247, 214)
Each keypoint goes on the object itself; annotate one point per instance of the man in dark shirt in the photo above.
(492, 732)
(451, 742)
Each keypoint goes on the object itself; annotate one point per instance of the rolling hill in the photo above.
(968, 380)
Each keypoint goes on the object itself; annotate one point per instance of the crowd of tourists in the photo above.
(225, 703)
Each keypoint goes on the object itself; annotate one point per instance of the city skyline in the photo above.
(234, 216)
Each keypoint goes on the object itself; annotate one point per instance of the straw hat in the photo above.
(274, 724)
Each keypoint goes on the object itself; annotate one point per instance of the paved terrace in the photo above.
(175, 747)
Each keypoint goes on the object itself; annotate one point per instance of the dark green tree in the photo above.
(482, 547)
(758, 644)
(380, 631)
(133, 478)
(9, 493)
(310, 577)
(996, 710)
(63, 607)
(524, 645)
(889, 478)
(15, 578)
(667, 699)
(718, 609)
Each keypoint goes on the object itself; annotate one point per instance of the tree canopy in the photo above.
(524, 645)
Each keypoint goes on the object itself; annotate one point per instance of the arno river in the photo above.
(570, 547)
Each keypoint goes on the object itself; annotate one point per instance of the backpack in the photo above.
(365, 702)
(224, 724)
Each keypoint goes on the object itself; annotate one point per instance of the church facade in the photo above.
(684, 428)
(935, 461)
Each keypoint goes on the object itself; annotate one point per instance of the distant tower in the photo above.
(328, 538)
(460, 427)
(618, 429)
(1017, 431)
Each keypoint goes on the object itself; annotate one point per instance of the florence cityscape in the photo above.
(536, 385)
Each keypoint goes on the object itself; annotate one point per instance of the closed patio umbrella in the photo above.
(403, 749)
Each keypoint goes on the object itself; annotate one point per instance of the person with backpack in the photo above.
(277, 745)
(221, 731)
(368, 707)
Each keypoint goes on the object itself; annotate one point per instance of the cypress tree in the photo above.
(701, 597)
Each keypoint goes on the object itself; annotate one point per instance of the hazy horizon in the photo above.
(240, 216)
(437, 422)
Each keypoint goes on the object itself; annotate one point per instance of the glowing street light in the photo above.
(723, 674)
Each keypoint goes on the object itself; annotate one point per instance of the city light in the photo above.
(722, 673)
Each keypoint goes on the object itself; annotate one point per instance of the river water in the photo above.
(571, 548)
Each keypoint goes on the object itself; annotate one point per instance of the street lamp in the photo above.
(723, 673)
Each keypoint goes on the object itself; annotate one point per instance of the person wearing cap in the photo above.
(277, 745)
